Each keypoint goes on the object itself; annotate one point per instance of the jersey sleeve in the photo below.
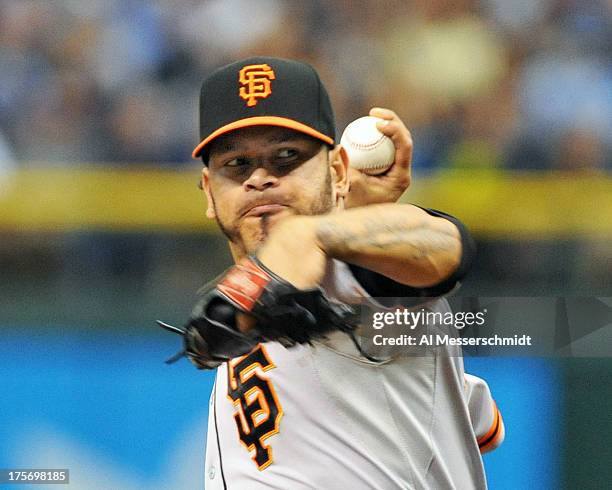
(486, 418)
(378, 285)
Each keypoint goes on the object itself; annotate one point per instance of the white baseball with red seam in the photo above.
(369, 150)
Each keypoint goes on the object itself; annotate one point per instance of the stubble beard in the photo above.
(322, 205)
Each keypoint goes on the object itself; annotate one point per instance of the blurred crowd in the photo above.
(521, 84)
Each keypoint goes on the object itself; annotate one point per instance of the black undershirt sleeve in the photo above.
(378, 285)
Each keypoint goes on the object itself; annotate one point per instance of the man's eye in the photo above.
(287, 154)
(236, 162)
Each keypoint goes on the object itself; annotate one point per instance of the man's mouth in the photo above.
(265, 209)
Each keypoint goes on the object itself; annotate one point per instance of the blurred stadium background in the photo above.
(102, 228)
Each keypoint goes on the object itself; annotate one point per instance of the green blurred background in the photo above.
(102, 227)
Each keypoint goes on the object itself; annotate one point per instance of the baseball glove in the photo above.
(282, 313)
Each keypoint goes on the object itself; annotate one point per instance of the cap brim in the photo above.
(262, 121)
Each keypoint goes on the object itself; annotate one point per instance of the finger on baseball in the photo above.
(389, 127)
(382, 113)
(402, 140)
(394, 128)
(398, 133)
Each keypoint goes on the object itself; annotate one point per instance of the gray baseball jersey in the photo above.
(324, 417)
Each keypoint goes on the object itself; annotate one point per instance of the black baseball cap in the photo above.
(264, 91)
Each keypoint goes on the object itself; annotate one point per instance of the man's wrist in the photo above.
(293, 253)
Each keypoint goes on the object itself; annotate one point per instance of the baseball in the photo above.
(369, 150)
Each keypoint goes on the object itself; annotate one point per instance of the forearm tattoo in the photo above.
(418, 240)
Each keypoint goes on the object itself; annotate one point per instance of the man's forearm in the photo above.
(400, 241)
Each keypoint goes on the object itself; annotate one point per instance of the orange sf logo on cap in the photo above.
(255, 81)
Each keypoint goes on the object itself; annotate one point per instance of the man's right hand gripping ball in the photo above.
(251, 294)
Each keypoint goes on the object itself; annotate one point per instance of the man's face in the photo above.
(259, 175)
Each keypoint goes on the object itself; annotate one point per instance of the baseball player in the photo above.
(299, 402)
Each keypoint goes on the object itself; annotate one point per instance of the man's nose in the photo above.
(261, 179)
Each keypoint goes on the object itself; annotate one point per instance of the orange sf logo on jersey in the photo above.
(258, 411)
(255, 81)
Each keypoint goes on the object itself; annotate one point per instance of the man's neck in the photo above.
(238, 252)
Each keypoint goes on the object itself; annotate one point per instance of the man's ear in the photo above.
(338, 162)
(205, 185)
